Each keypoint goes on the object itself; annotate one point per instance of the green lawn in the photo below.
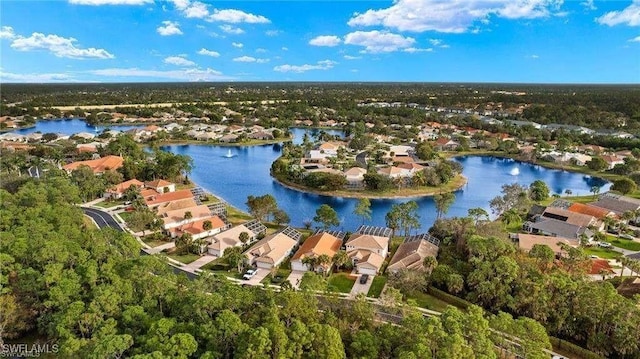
(125, 216)
(624, 243)
(184, 258)
(427, 301)
(341, 282)
(376, 287)
(109, 204)
(602, 252)
(279, 278)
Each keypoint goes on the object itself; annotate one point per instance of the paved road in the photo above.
(361, 159)
(361, 288)
(102, 218)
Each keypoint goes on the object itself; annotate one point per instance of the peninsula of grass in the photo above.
(455, 184)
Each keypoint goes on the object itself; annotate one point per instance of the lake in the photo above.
(247, 173)
(70, 127)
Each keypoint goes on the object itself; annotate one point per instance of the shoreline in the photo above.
(609, 177)
(355, 194)
(222, 144)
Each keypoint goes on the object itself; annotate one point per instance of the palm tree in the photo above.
(324, 261)
(311, 262)
(188, 215)
(243, 237)
(340, 259)
(510, 216)
(207, 225)
(595, 190)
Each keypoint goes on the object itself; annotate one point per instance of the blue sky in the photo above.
(542, 41)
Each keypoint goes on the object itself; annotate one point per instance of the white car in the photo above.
(627, 236)
(249, 274)
(604, 245)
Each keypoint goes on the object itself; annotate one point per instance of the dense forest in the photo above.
(596, 106)
(92, 293)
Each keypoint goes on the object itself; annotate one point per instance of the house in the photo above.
(161, 186)
(368, 247)
(555, 228)
(12, 137)
(85, 135)
(392, 172)
(98, 166)
(446, 144)
(229, 138)
(612, 160)
(174, 205)
(617, 204)
(119, 190)
(412, 252)
(355, 176)
(200, 229)
(261, 135)
(330, 148)
(597, 212)
(273, 249)
(578, 219)
(178, 217)
(154, 199)
(527, 241)
(321, 243)
(231, 237)
(205, 136)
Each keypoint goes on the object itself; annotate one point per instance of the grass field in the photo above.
(184, 258)
(603, 252)
(427, 301)
(109, 204)
(623, 243)
(377, 286)
(341, 282)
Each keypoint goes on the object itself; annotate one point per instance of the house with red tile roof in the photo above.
(198, 229)
(154, 199)
(98, 166)
(321, 243)
(161, 186)
(118, 190)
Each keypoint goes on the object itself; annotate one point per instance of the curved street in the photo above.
(103, 219)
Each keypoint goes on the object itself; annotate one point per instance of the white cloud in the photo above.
(452, 16)
(325, 40)
(196, 10)
(272, 32)
(435, 42)
(320, 65)
(177, 75)
(231, 29)
(349, 57)
(589, 5)
(181, 4)
(206, 52)
(250, 59)
(635, 39)
(51, 77)
(628, 16)
(239, 45)
(169, 28)
(237, 16)
(412, 50)
(534, 56)
(285, 48)
(59, 46)
(378, 41)
(179, 61)
(109, 2)
(6, 32)
(261, 50)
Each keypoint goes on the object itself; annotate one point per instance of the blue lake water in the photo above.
(70, 127)
(247, 173)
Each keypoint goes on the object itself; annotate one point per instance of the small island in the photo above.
(362, 165)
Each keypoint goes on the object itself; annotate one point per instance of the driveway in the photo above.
(102, 218)
(294, 278)
(258, 277)
(361, 288)
(200, 262)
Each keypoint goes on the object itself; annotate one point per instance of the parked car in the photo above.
(604, 245)
(249, 274)
(627, 236)
(364, 279)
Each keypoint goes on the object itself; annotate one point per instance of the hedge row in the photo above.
(451, 299)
